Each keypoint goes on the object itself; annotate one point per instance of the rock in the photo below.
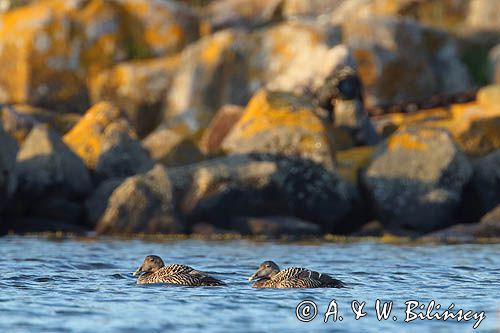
(494, 58)
(163, 26)
(104, 140)
(281, 123)
(228, 67)
(96, 204)
(219, 128)
(49, 48)
(473, 125)
(122, 155)
(138, 88)
(351, 163)
(482, 14)
(262, 185)
(400, 60)
(142, 204)
(242, 13)
(55, 206)
(209, 230)
(171, 149)
(486, 181)
(46, 164)
(488, 228)
(275, 227)
(313, 8)
(211, 73)
(27, 225)
(8, 179)
(416, 179)
(19, 119)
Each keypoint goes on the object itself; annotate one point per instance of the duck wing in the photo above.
(326, 281)
(290, 273)
(195, 280)
(175, 269)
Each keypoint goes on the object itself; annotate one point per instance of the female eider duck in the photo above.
(154, 271)
(268, 275)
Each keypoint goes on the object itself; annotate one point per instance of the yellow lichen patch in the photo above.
(351, 161)
(408, 141)
(87, 136)
(273, 109)
(489, 97)
(214, 47)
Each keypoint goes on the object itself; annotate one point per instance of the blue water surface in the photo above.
(87, 286)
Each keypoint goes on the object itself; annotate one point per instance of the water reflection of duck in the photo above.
(268, 275)
(153, 270)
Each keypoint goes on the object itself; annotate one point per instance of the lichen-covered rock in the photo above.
(262, 185)
(275, 227)
(294, 8)
(400, 60)
(352, 162)
(211, 73)
(46, 164)
(219, 128)
(104, 140)
(486, 181)
(96, 204)
(281, 123)
(20, 119)
(222, 14)
(416, 179)
(163, 26)
(171, 149)
(482, 14)
(8, 179)
(138, 88)
(142, 204)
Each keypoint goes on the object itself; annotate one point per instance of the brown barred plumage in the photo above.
(155, 271)
(270, 276)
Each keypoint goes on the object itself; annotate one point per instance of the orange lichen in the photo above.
(87, 136)
(267, 109)
(407, 141)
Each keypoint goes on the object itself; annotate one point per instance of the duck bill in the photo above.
(138, 271)
(254, 276)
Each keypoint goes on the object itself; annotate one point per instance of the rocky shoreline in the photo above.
(155, 117)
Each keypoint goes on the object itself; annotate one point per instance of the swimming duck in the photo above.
(153, 270)
(268, 275)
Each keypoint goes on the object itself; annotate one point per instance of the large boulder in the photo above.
(400, 60)
(281, 123)
(221, 190)
(162, 26)
(219, 128)
(105, 141)
(223, 14)
(46, 164)
(275, 227)
(96, 204)
(50, 48)
(172, 149)
(138, 88)
(142, 204)
(486, 181)
(416, 179)
(8, 180)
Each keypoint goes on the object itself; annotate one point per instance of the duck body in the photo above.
(153, 270)
(269, 276)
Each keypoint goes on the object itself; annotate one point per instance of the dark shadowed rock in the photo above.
(263, 185)
(416, 179)
(45, 163)
(57, 207)
(8, 180)
(122, 155)
(96, 204)
(29, 224)
(486, 180)
(275, 226)
(142, 204)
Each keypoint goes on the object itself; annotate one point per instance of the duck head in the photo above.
(149, 265)
(267, 269)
